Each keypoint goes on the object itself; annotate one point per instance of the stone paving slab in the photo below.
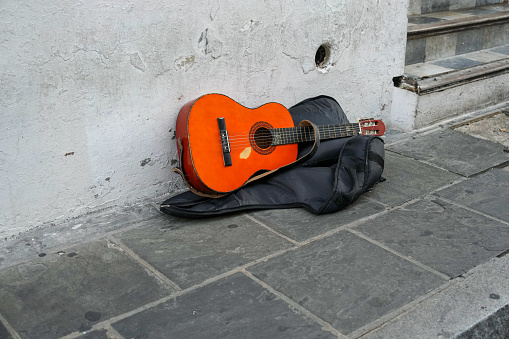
(191, 251)
(346, 280)
(443, 236)
(408, 179)
(488, 193)
(39, 240)
(454, 151)
(494, 128)
(233, 307)
(473, 307)
(53, 297)
(300, 225)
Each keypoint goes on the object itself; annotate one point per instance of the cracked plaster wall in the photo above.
(90, 90)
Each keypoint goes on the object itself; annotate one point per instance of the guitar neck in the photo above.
(292, 135)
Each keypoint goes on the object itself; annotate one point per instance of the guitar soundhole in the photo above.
(260, 138)
(263, 138)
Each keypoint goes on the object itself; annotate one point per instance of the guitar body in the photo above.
(201, 149)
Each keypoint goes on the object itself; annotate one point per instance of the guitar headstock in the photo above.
(371, 127)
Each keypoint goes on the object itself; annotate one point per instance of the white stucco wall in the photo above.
(90, 90)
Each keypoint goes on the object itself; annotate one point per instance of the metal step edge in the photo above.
(441, 82)
(457, 25)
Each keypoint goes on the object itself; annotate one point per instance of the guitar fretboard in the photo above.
(292, 135)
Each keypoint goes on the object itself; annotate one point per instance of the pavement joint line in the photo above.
(441, 188)
(144, 263)
(271, 229)
(367, 197)
(404, 204)
(473, 210)
(325, 325)
(9, 328)
(354, 223)
(499, 166)
(112, 333)
(503, 254)
(428, 163)
(402, 256)
(398, 313)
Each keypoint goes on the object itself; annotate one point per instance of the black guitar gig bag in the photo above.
(336, 174)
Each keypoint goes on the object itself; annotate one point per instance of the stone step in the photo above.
(445, 34)
(440, 73)
(418, 7)
(431, 92)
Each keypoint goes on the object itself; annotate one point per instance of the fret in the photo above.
(291, 135)
(275, 136)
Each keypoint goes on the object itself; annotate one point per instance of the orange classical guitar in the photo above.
(223, 144)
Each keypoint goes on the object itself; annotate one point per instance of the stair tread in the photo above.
(454, 63)
(449, 72)
(457, 14)
(462, 17)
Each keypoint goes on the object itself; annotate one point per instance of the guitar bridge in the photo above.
(225, 142)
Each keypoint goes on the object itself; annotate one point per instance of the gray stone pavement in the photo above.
(420, 256)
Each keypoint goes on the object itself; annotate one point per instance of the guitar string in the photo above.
(283, 141)
(268, 134)
(297, 129)
(244, 141)
(295, 135)
(290, 139)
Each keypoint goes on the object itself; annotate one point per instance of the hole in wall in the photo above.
(397, 81)
(323, 56)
